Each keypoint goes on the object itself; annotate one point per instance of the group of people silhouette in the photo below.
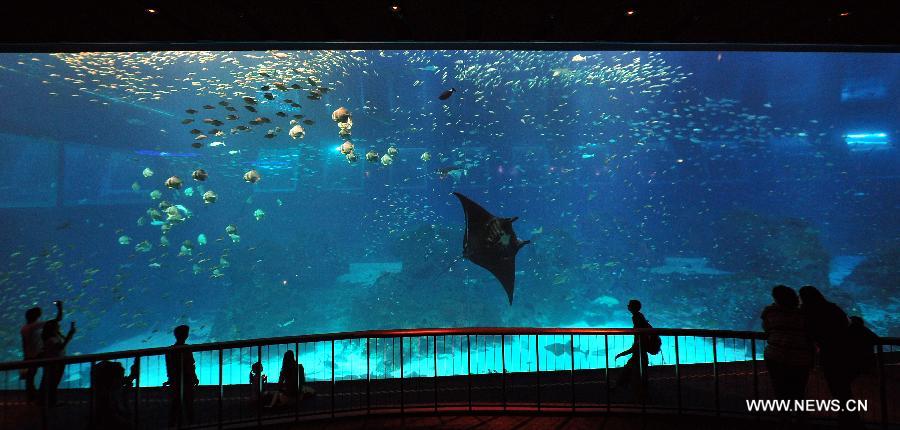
(799, 328)
(797, 325)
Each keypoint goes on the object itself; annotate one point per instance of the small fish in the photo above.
(250, 108)
(250, 100)
(269, 96)
(208, 107)
(308, 122)
(187, 121)
(191, 111)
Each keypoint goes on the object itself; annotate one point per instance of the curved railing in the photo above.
(458, 369)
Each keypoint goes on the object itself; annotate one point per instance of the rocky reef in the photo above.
(786, 251)
(878, 274)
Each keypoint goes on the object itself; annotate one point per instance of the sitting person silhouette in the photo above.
(289, 382)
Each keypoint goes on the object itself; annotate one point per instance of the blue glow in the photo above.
(863, 141)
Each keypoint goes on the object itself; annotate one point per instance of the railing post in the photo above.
(882, 388)
(332, 378)
(537, 369)
(469, 369)
(755, 373)
(137, 392)
(368, 376)
(572, 352)
(259, 387)
(181, 406)
(606, 374)
(715, 373)
(643, 364)
(299, 383)
(221, 393)
(92, 394)
(434, 353)
(503, 367)
(677, 376)
(401, 376)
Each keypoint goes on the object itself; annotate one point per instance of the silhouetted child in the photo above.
(255, 386)
(110, 403)
(862, 342)
(54, 346)
(636, 367)
(181, 391)
(32, 344)
(789, 349)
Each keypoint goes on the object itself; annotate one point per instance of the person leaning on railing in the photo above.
(789, 349)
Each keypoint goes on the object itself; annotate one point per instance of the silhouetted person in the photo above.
(256, 371)
(828, 326)
(288, 385)
(110, 404)
(32, 344)
(634, 372)
(861, 347)
(54, 346)
(789, 349)
(182, 373)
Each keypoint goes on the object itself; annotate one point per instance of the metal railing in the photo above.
(427, 370)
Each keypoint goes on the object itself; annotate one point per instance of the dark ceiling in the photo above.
(681, 21)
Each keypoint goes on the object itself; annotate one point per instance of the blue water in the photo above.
(693, 181)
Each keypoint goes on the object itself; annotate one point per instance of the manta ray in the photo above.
(490, 242)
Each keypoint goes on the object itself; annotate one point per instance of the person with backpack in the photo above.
(636, 367)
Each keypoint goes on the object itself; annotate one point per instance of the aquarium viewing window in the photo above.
(260, 192)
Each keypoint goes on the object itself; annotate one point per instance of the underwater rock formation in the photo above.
(786, 251)
(878, 274)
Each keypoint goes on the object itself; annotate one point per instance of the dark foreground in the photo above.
(514, 401)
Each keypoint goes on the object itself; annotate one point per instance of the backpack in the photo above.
(651, 343)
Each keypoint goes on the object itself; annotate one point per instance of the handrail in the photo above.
(372, 334)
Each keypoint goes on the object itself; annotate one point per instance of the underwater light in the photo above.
(862, 141)
(151, 11)
(630, 12)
